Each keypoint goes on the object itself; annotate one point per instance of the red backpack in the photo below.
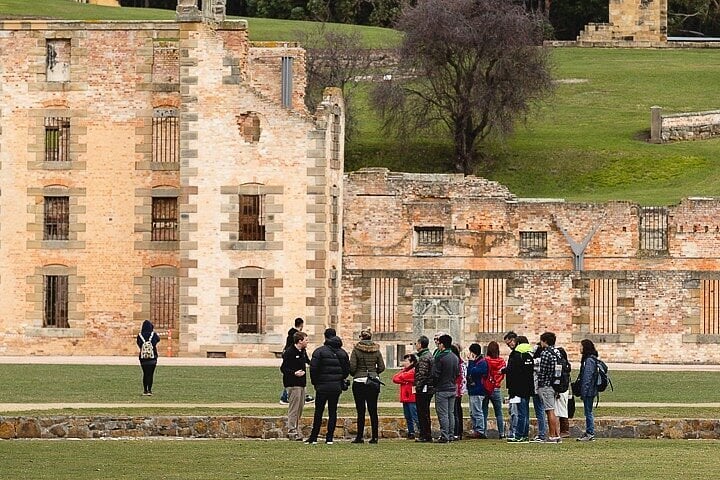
(488, 381)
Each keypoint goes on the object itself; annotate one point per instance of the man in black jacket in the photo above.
(445, 370)
(423, 388)
(294, 380)
(329, 367)
(519, 378)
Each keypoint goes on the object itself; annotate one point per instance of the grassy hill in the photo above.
(586, 143)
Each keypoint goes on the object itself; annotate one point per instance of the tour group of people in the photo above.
(528, 374)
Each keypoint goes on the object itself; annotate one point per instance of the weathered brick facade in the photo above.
(144, 136)
(427, 253)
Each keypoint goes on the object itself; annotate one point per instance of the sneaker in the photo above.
(309, 399)
(283, 402)
(537, 439)
(442, 440)
(310, 442)
(299, 439)
(373, 440)
(411, 436)
(358, 440)
(517, 440)
(328, 442)
(554, 440)
(586, 438)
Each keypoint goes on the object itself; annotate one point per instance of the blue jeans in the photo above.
(476, 413)
(410, 412)
(445, 407)
(522, 430)
(589, 417)
(539, 408)
(497, 400)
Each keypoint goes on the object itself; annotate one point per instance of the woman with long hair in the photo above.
(588, 386)
(496, 365)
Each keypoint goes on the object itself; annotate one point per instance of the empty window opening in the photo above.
(249, 124)
(250, 309)
(492, 305)
(164, 219)
(251, 218)
(57, 60)
(56, 218)
(55, 298)
(57, 139)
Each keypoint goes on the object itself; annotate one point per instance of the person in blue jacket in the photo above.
(477, 368)
(588, 387)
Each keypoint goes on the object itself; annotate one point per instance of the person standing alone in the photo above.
(294, 372)
(147, 341)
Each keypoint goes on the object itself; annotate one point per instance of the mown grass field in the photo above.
(605, 459)
(217, 385)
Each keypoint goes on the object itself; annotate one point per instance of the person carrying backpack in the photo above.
(587, 379)
(147, 341)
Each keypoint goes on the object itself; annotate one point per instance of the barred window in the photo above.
(533, 244)
(384, 304)
(164, 309)
(250, 309)
(56, 218)
(654, 229)
(711, 307)
(57, 139)
(334, 218)
(164, 219)
(251, 219)
(165, 136)
(55, 301)
(603, 305)
(492, 305)
(429, 236)
(335, 138)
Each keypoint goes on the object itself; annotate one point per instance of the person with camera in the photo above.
(329, 367)
(366, 365)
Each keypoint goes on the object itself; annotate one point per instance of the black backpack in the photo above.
(603, 379)
(561, 382)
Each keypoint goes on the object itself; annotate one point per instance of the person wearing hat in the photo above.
(366, 364)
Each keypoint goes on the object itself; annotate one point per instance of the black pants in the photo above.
(366, 395)
(422, 402)
(458, 417)
(321, 398)
(148, 373)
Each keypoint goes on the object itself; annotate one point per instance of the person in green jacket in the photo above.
(366, 365)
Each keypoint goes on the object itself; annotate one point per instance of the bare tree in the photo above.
(476, 69)
(334, 59)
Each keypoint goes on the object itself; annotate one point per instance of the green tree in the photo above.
(474, 68)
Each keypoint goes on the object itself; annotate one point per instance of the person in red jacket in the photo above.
(406, 379)
(495, 377)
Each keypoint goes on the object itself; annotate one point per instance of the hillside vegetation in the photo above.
(587, 143)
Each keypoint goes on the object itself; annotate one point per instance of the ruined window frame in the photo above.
(56, 217)
(533, 244)
(57, 139)
(250, 312)
(56, 301)
(491, 305)
(251, 225)
(653, 229)
(384, 303)
(603, 306)
(164, 219)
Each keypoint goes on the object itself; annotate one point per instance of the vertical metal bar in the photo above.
(286, 82)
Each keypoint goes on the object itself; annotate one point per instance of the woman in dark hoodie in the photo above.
(148, 358)
(366, 362)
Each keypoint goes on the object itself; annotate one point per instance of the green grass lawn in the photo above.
(210, 385)
(605, 459)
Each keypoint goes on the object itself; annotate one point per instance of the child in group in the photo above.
(406, 379)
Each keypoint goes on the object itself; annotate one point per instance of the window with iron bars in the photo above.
(164, 226)
(251, 218)
(164, 309)
(334, 218)
(57, 139)
(251, 308)
(55, 301)
(492, 305)
(165, 136)
(603, 305)
(533, 244)
(429, 236)
(710, 310)
(335, 136)
(56, 218)
(654, 229)
(384, 304)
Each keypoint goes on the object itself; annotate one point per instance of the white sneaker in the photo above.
(586, 438)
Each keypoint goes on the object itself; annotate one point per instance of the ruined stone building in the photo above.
(165, 171)
(427, 253)
(170, 171)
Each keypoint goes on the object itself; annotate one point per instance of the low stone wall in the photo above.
(249, 427)
(683, 126)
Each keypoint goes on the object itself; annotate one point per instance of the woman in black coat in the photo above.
(148, 359)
